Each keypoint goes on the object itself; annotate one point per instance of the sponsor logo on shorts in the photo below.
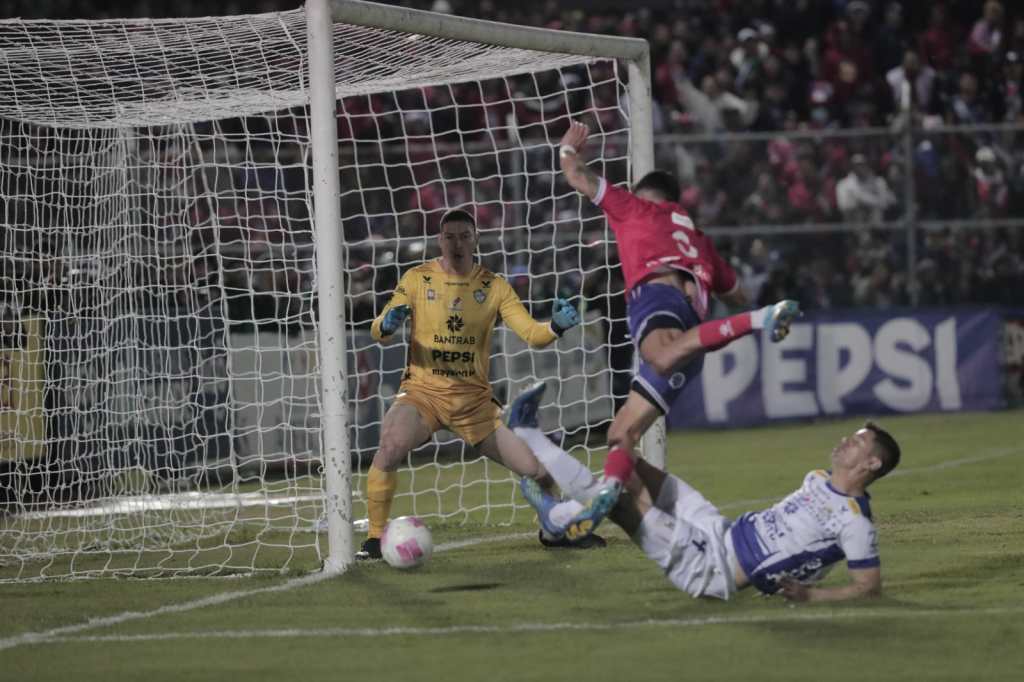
(677, 380)
(725, 329)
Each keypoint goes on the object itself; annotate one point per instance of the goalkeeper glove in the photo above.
(563, 316)
(393, 319)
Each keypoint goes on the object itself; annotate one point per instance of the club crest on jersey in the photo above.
(431, 294)
(456, 304)
(455, 324)
(479, 295)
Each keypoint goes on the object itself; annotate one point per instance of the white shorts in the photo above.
(689, 543)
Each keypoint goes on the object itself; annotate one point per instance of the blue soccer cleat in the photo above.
(782, 315)
(591, 516)
(525, 409)
(542, 503)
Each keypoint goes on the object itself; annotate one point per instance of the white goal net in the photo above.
(159, 390)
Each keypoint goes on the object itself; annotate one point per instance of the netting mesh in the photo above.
(159, 398)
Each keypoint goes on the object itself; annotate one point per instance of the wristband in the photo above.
(566, 150)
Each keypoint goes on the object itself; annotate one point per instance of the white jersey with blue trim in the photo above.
(805, 534)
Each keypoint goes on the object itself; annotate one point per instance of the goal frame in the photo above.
(320, 17)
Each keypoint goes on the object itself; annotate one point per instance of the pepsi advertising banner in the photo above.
(852, 363)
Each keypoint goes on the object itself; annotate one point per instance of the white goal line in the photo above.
(173, 502)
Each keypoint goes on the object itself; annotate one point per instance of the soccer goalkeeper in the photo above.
(454, 303)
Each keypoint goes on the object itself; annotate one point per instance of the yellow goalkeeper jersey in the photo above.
(452, 320)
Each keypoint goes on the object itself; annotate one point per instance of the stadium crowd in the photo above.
(771, 112)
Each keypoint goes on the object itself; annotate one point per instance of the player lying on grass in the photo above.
(670, 267)
(785, 548)
(454, 303)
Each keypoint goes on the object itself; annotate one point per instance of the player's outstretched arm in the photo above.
(574, 165)
(388, 322)
(564, 316)
(865, 582)
(517, 318)
(398, 309)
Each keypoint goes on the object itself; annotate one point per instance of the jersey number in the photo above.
(682, 237)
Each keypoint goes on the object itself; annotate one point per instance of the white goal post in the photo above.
(201, 216)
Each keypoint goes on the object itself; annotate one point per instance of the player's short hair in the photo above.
(662, 182)
(457, 215)
(886, 446)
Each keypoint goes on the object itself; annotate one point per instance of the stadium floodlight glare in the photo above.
(201, 217)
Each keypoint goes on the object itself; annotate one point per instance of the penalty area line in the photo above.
(788, 616)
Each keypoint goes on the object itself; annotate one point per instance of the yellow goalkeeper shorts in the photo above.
(473, 415)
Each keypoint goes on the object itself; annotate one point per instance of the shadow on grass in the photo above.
(467, 587)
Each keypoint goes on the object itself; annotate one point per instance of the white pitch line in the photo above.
(127, 616)
(941, 466)
(60, 634)
(952, 463)
(750, 619)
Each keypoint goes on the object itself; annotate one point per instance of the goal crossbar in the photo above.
(422, 22)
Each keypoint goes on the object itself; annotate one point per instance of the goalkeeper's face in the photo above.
(458, 244)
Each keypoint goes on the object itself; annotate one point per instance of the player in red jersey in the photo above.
(670, 268)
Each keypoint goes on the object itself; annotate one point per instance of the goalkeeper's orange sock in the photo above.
(380, 491)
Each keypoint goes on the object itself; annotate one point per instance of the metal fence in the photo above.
(864, 216)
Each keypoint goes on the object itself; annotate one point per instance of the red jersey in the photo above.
(655, 238)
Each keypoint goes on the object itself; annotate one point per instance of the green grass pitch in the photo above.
(951, 523)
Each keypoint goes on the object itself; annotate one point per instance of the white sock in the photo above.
(572, 477)
(563, 512)
(759, 316)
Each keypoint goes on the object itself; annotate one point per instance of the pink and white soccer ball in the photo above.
(406, 542)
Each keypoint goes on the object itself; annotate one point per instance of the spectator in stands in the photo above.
(1008, 92)
(912, 84)
(710, 105)
(932, 289)
(891, 42)
(987, 34)
(862, 196)
(967, 107)
(991, 193)
(746, 58)
(938, 42)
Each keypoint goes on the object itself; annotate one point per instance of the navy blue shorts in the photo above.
(660, 306)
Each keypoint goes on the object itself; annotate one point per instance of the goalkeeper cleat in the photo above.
(369, 550)
(591, 516)
(542, 503)
(782, 315)
(524, 409)
(592, 541)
